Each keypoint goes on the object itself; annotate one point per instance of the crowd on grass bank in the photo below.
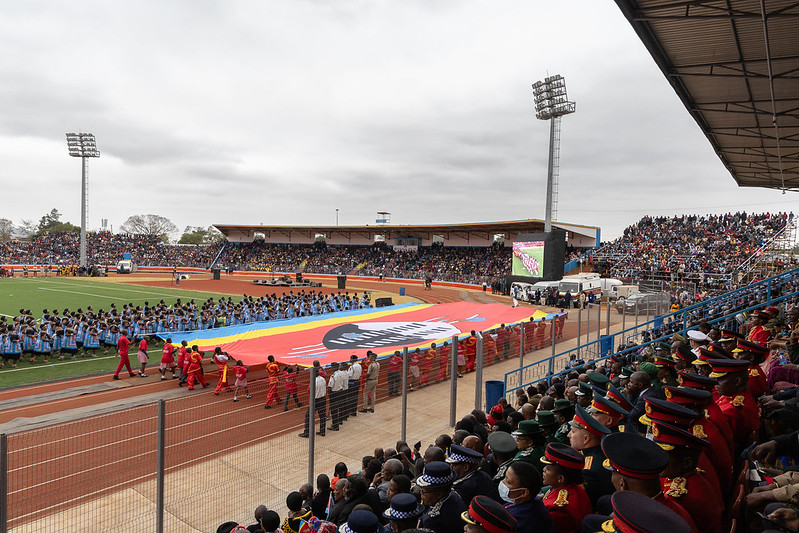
(701, 249)
(661, 439)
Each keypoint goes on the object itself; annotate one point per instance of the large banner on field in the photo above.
(334, 337)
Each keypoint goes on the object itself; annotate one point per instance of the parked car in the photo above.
(652, 303)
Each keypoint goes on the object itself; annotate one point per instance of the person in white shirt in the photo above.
(338, 394)
(353, 384)
(320, 405)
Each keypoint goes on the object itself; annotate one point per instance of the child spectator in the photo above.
(241, 380)
(291, 386)
(143, 357)
(168, 360)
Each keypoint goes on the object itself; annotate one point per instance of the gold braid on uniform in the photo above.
(699, 431)
(563, 498)
(677, 487)
(738, 401)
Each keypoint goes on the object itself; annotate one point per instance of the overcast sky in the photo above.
(280, 112)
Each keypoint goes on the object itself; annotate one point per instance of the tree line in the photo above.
(137, 224)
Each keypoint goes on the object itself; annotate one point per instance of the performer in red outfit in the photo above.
(541, 336)
(195, 368)
(221, 358)
(529, 335)
(444, 356)
(427, 364)
(168, 360)
(471, 351)
(272, 371)
(183, 362)
(123, 345)
(503, 342)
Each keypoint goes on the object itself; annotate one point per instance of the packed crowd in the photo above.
(463, 264)
(105, 248)
(648, 441)
(703, 249)
(85, 332)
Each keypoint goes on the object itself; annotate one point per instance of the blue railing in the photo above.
(780, 289)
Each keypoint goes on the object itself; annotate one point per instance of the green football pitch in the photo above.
(52, 293)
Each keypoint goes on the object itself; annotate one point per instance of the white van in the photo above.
(623, 291)
(126, 266)
(521, 290)
(525, 291)
(581, 283)
(607, 285)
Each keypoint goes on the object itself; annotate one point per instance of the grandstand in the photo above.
(465, 253)
(715, 252)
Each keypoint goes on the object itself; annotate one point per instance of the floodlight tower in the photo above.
(551, 103)
(82, 145)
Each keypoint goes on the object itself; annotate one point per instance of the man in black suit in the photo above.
(640, 387)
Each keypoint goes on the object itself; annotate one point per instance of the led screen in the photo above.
(528, 258)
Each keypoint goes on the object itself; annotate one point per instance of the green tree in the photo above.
(200, 235)
(51, 223)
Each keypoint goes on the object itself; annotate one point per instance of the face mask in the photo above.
(504, 492)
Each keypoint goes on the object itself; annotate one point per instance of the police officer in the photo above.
(471, 480)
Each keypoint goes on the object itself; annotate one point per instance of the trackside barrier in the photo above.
(781, 290)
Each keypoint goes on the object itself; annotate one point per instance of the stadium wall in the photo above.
(17, 268)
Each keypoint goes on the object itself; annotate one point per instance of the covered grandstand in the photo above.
(465, 234)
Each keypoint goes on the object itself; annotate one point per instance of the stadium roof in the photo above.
(397, 231)
(736, 69)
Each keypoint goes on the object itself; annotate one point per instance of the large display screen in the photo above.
(528, 258)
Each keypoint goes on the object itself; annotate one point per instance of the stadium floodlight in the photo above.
(551, 103)
(84, 146)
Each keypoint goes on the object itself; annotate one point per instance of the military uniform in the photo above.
(473, 484)
(758, 384)
(690, 489)
(445, 515)
(500, 475)
(476, 482)
(561, 434)
(530, 429)
(634, 512)
(531, 455)
(597, 477)
(742, 413)
(718, 454)
(696, 496)
(712, 410)
(567, 506)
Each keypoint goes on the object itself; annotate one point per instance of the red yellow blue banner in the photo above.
(335, 336)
